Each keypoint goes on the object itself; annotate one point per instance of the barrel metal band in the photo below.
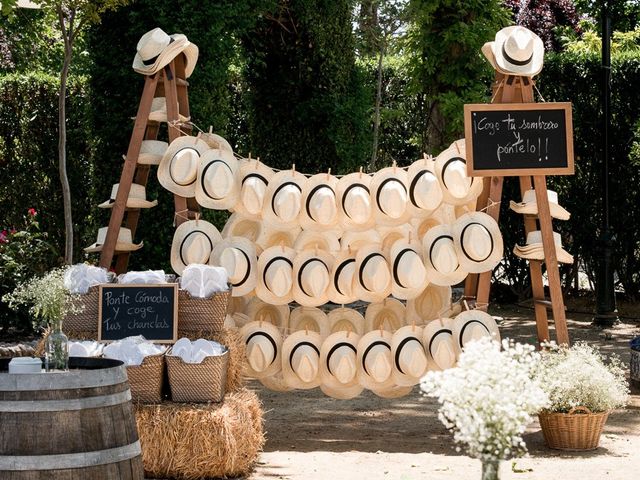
(28, 406)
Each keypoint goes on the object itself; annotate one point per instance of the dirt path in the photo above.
(312, 437)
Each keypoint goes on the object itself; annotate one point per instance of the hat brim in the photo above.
(503, 65)
(308, 239)
(467, 263)
(395, 391)
(171, 51)
(295, 339)
(120, 247)
(308, 318)
(237, 225)
(248, 282)
(354, 240)
(531, 208)
(537, 253)
(256, 307)
(181, 233)
(276, 383)
(164, 172)
(131, 203)
(469, 317)
(264, 260)
(346, 320)
(272, 335)
(342, 393)
(394, 308)
(422, 317)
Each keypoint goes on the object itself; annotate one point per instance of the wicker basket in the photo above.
(197, 315)
(146, 379)
(573, 430)
(87, 318)
(198, 382)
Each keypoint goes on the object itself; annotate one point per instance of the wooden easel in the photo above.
(174, 88)
(512, 89)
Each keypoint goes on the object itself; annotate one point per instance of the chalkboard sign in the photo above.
(147, 310)
(518, 139)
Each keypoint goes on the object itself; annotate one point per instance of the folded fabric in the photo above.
(148, 277)
(80, 277)
(197, 351)
(87, 348)
(202, 281)
(132, 350)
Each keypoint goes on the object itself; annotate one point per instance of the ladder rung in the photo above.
(546, 303)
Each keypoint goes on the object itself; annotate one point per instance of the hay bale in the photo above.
(198, 441)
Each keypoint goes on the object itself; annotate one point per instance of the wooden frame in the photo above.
(469, 109)
(173, 286)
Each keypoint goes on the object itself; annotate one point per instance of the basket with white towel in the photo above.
(202, 300)
(82, 280)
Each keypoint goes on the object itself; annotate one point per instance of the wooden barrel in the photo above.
(78, 424)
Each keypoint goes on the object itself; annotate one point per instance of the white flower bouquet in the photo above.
(489, 398)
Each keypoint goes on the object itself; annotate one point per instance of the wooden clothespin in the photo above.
(466, 305)
(360, 176)
(395, 166)
(210, 129)
(124, 157)
(293, 169)
(328, 173)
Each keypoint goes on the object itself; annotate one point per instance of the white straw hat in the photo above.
(178, 169)
(408, 272)
(312, 277)
(339, 365)
(534, 249)
(283, 199)
(238, 225)
(439, 344)
(158, 112)
(137, 197)
(151, 152)
(372, 282)
(271, 236)
(441, 258)
(218, 184)
(275, 275)
(193, 242)
(409, 357)
(156, 49)
(319, 209)
(216, 141)
(356, 239)
(277, 315)
(375, 363)
(390, 196)
(341, 289)
(389, 315)
(309, 318)
(275, 382)
(346, 319)
(472, 325)
(429, 305)
(124, 243)
(308, 239)
(392, 392)
(425, 192)
(301, 359)
(254, 179)
(517, 51)
(237, 256)
(354, 202)
(451, 169)
(263, 349)
(529, 205)
(391, 235)
(478, 242)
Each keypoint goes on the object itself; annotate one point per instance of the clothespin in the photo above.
(328, 173)
(466, 305)
(210, 129)
(293, 169)
(124, 157)
(198, 136)
(360, 176)
(197, 215)
(282, 245)
(395, 166)
(348, 330)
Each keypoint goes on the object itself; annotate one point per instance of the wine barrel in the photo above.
(78, 424)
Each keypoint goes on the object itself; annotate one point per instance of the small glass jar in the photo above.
(56, 350)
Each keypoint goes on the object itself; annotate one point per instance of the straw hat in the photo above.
(422, 225)
(263, 343)
(277, 315)
(237, 256)
(534, 249)
(216, 141)
(283, 199)
(151, 152)
(238, 305)
(124, 243)
(354, 202)
(158, 112)
(439, 344)
(341, 289)
(389, 196)
(425, 193)
(408, 273)
(372, 282)
(271, 236)
(409, 358)
(516, 51)
(254, 179)
(391, 235)
(137, 197)
(451, 169)
(308, 240)
(237, 225)
(374, 359)
(309, 318)
(275, 275)
(301, 359)
(275, 383)
(156, 49)
(529, 205)
(440, 256)
(312, 276)
(178, 170)
(218, 183)
(429, 305)
(389, 315)
(472, 325)
(478, 242)
(339, 365)
(392, 392)
(346, 319)
(355, 240)
(319, 209)
(193, 242)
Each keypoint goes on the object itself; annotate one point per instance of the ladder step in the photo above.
(546, 303)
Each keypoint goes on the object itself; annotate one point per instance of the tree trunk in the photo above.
(376, 117)
(62, 154)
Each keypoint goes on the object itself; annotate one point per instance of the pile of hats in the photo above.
(343, 361)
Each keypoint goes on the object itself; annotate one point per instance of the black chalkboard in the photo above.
(147, 310)
(519, 139)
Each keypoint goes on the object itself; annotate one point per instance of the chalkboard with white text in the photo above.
(519, 139)
(147, 310)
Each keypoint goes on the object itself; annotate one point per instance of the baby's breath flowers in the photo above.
(489, 398)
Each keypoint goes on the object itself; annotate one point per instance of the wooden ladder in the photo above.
(170, 83)
(515, 89)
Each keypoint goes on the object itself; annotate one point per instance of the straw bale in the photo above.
(198, 441)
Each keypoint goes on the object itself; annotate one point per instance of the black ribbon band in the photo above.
(513, 61)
